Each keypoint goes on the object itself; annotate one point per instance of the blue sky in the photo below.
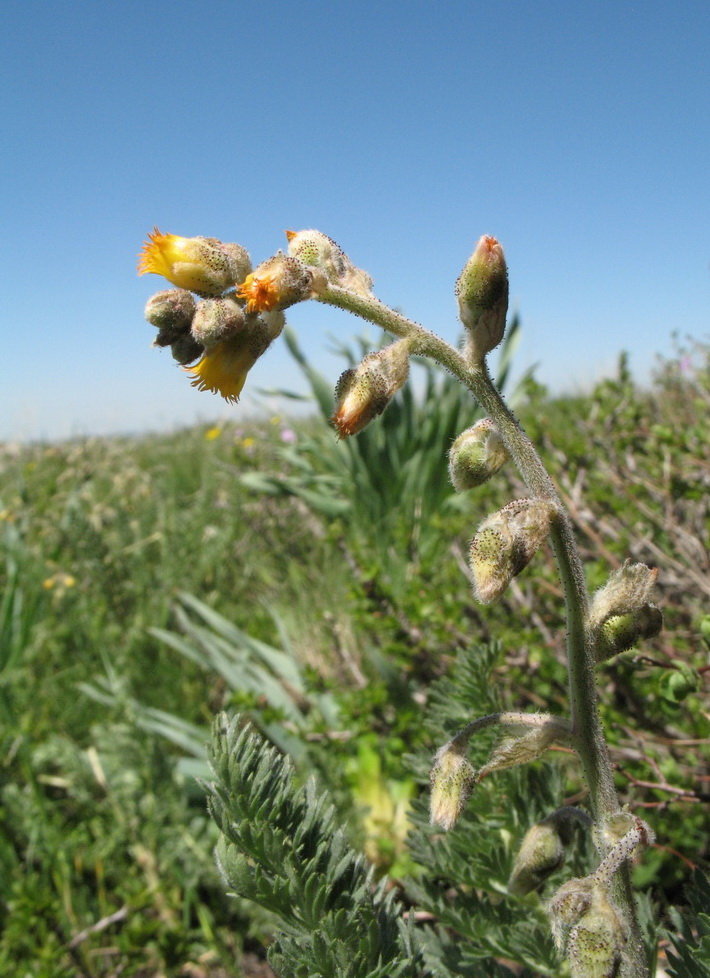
(576, 133)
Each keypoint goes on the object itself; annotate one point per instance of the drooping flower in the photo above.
(223, 369)
(202, 265)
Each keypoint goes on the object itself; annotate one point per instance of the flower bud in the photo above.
(171, 313)
(542, 850)
(202, 265)
(363, 392)
(482, 292)
(452, 781)
(317, 249)
(541, 853)
(596, 943)
(239, 259)
(569, 904)
(619, 633)
(476, 455)
(185, 349)
(505, 543)
(627, 589)
(277, 283)
(223, 369)
(217, 319)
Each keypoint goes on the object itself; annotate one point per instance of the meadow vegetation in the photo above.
(266, 568)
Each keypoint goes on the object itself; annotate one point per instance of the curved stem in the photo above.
(587, 732)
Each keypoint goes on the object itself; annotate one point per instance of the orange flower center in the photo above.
(261, 293)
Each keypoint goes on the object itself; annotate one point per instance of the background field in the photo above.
(321, 588)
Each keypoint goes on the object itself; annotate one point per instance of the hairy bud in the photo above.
(363, 392)
(452, 781)
(596, 943)
(202, 265)
(505, 543)
(619, 633)
(627, 589)
(542, 850)
(171, 313)
(476, 455)
(277, 283)
(525, 744)
(482, 293)
(217, 319)
(185, 349)
(317, 249)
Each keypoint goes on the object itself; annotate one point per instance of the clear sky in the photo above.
(577, 133)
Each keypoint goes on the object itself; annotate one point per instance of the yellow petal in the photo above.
(223, 370)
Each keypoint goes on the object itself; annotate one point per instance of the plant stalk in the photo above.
(587, 731)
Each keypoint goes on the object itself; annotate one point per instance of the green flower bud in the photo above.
(363, 392)
(541, 853)
(476, 455)
(452, 781)
(505, 543)
(569, 904)
(171, 313)
(317, 249)
(216, 320)
(596, 943)
(186, 349)
(525, 744)
(622, 632)
(542, 850)
(482, 292)
(676, 684)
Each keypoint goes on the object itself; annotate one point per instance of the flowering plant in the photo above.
(239, 314)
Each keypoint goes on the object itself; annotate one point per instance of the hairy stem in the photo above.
(587, 732)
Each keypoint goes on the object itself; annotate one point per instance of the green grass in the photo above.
(101, 537)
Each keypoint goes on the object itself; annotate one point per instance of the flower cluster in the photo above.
(241, 309)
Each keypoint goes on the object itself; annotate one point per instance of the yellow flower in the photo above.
(196, 264)
(224, 369)
(261, 292)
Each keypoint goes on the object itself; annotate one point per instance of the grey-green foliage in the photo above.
(464, 872)
(691, 945)
(280, 847)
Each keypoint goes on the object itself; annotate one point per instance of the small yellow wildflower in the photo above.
(212, 433)
(224, 369)
(201, 265)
